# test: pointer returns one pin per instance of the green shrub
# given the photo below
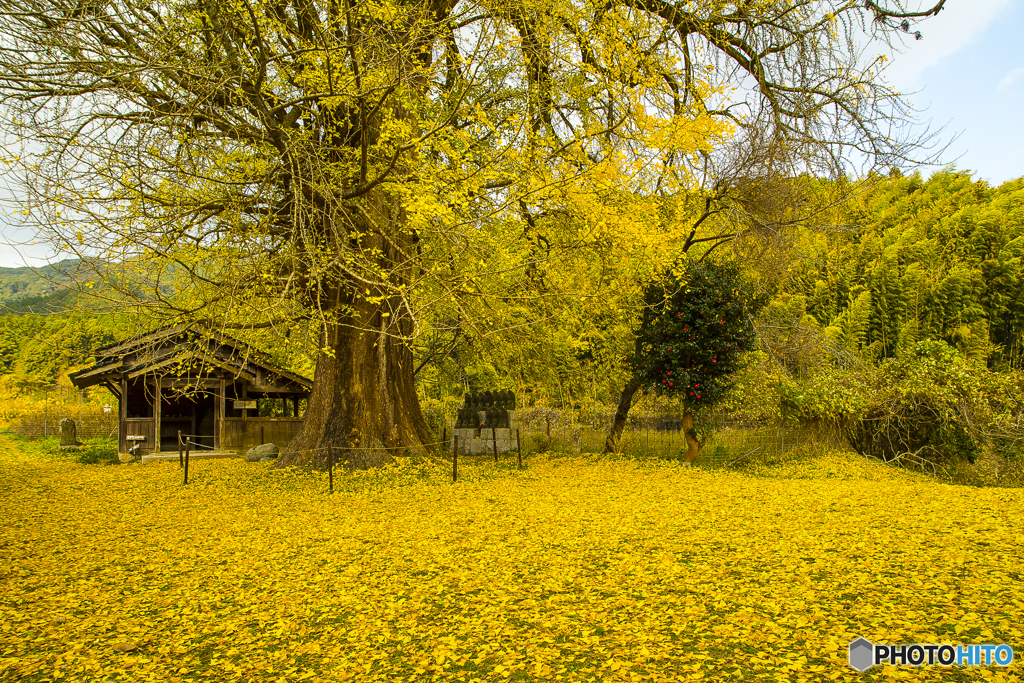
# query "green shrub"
(928, 406)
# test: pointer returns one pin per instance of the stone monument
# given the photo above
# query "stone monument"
(486, 420)
(69, 435)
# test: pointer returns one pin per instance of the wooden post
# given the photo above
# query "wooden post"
(494, 442)
(262, 439)
(122, 415)
(330, 466)
(455, 459)
(444, 438)
(519, 447)
(181, 458)
(188, 447)
(157, 414)
(218, 442)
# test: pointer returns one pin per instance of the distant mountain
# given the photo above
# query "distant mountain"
(50, 288)
(20, 283)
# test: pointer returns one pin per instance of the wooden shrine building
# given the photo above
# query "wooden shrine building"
(220, 392)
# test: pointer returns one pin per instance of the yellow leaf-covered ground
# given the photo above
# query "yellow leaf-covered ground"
(572, 569)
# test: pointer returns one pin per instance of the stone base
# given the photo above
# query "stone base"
(477, 441)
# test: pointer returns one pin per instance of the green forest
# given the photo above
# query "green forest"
(898, 322)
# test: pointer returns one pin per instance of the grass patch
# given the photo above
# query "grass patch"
(92, 451)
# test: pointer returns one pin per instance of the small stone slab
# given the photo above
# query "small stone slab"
(68, 435)
(257, 453)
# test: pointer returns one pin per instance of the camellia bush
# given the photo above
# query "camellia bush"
(697, 325)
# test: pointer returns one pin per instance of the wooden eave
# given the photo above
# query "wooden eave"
(150, 353)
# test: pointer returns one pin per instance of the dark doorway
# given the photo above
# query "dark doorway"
(206, 420)
(195, 416)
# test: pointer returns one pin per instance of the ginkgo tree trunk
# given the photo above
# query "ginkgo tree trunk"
(350, 167)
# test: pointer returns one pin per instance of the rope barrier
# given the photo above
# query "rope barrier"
(186, 443)
(197, 444)
(190, 437)
(388, 448)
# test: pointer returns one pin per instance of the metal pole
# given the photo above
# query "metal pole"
(455, 459)
(181, 458)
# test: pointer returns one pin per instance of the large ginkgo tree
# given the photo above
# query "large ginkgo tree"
(365, 167)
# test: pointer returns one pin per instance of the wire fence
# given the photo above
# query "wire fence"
(91, 423)
(652, 431)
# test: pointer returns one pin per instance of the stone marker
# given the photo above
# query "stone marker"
(486, 419)
(68, 435)
(257, 453)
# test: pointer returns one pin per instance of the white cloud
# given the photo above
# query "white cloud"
(1010, 78)
(954, 28)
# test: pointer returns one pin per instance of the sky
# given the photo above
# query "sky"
(965, 76)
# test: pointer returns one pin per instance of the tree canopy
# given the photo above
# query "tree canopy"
(359, 166)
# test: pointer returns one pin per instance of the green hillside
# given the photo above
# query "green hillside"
(18, 285)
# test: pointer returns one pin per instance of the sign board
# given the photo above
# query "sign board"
(135, 438)
(241, 405)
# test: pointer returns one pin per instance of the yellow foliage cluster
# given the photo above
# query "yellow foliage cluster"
(572, 569)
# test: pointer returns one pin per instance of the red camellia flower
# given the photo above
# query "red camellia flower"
(696, 386)
(698, 395)
(691, 393)
(686, 329)
(670, 383)
(669, 372)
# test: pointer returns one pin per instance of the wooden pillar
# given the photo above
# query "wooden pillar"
(157, 409)
(219, 436)
(122, 411)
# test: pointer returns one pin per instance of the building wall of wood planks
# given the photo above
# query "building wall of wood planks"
(144, 427)
(240, 435)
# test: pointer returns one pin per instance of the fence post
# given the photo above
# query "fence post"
(519, 448)
(181, 458)
(494, 441)
(330, 465)
(455, 459)
(188, 447)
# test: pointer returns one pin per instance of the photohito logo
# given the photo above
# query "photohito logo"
(864, 654)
